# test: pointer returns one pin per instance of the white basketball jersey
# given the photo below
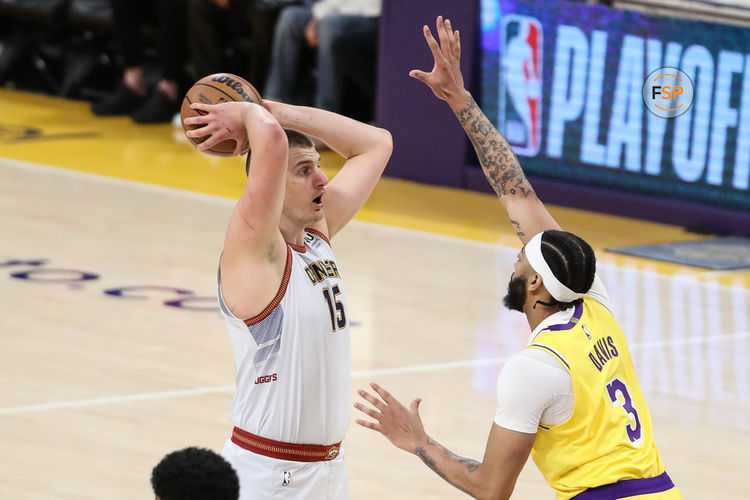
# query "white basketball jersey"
(294, 359)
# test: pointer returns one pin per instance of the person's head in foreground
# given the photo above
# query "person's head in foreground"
(194, 474)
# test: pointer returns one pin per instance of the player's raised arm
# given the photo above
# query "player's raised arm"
(366, 149)
(500, 165)
(255, 221)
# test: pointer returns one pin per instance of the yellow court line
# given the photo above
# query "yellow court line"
(63, 133)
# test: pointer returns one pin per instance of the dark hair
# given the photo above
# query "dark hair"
(295, 139)
(195, 474)
(570, 259)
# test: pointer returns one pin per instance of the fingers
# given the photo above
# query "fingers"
(202, 120)
(211, 141)
(198, 132)
(452, 38)
(368, 411)
(368, 424)
(454, 41)
(202, 106)
(383, 393)
(419, 75)
(457, 46)
(443, 37)
(449, 35)
(415, 405)
(197, 120)
(371, 399)
(434, 47)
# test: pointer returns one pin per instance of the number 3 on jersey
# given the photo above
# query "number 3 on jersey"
(338, 318)
(615, 387)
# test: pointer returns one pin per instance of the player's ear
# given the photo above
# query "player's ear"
(534, 283)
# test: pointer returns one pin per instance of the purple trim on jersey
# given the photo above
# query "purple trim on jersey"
(543, 427)
(553, 352)
(627, 488)
(573, 321)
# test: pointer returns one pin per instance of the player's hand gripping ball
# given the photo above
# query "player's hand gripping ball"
(215, 89)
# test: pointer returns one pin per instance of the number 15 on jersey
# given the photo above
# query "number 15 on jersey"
(335, 307)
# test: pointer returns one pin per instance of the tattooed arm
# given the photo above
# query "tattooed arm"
(500, 165)
(503, 171)
(498, 160)
(493, 478)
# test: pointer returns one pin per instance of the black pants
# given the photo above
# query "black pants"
(355, 58)
(237, 39)
(168, 17)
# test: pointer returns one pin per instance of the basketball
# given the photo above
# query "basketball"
(215, 89)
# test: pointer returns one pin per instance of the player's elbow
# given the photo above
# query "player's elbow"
(382, 148)
(494, 490)
(269, 137)
(489, 495)
(385, 139)
(271, 130)
(376, 140)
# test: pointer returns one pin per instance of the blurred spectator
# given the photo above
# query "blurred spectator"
(355, 59)
(132, 96)
(194, 474)
(301, 28)
(218, 36)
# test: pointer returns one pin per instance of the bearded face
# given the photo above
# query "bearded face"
(516, 296)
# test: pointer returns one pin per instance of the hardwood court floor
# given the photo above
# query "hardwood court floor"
(103, 373)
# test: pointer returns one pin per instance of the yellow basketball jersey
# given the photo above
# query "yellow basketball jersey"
(608, 437)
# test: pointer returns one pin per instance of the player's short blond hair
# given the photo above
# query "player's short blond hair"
(295, 140)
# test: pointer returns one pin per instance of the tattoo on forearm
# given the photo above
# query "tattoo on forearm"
(429, 462)
(498, 161)
(471, 465)
(517, 225)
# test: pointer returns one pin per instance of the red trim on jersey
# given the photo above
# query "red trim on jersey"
(318, 234)
(279, 295)
(284, 451)
(298, 248)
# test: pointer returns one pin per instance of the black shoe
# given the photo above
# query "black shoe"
(122, 102)
(157, 109)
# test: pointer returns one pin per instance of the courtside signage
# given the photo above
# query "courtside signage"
(614, 98)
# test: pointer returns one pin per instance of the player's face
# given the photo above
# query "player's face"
(516, 296)
(305, 186)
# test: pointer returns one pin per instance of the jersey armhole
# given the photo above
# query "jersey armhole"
(274, 302)
(279, 294)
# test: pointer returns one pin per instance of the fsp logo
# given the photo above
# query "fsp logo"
(668, 92)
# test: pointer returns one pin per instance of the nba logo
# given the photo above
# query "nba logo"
(520, 113)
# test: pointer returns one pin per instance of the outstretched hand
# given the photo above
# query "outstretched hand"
(219, 122)
(445, 80)
(403, 427)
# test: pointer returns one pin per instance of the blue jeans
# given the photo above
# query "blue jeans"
(289, 46)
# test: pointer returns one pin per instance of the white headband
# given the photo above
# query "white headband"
(559, 292)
